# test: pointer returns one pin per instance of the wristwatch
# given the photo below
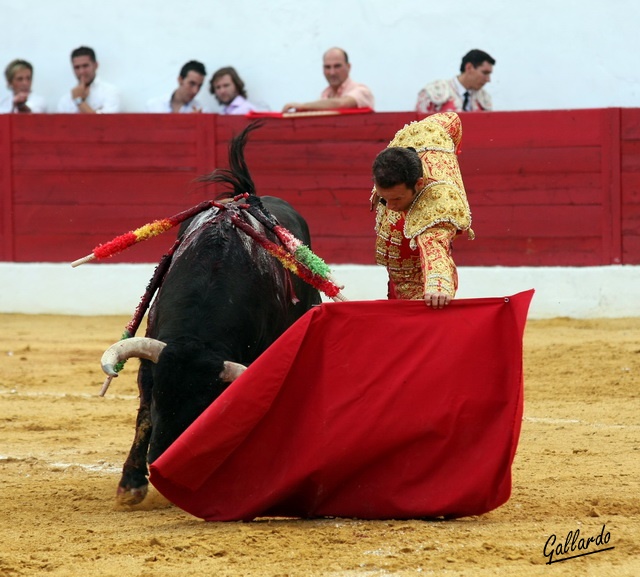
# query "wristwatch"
(79, 100)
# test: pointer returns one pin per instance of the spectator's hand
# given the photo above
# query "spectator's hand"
(195, 110)
(437, 300)
(80, 91)
(292, 107)
(20, 99)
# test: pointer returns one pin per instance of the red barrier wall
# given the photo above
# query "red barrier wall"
(545, 187)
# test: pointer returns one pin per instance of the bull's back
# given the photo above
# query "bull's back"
(224, 289)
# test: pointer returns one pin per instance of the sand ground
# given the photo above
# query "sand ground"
(62, 447)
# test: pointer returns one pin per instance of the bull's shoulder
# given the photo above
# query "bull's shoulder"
(288, 217)
(275, 203)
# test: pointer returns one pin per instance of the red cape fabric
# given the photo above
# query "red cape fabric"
(377, 409)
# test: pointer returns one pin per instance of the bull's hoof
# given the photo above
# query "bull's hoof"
(131, 495)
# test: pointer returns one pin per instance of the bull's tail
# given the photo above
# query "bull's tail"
(238, 175)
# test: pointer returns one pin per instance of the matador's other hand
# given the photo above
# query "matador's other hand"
(437, 300)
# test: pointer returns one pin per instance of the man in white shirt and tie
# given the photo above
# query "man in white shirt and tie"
(461, 93)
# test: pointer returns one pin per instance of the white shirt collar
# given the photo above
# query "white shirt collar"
(460, 88)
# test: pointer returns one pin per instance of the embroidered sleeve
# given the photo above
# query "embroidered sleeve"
(424, 104)
(433, 96)
(440, 274)
(484, 100)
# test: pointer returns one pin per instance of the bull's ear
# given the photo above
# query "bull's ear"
(231, 371)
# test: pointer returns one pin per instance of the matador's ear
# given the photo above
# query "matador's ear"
(374, 199)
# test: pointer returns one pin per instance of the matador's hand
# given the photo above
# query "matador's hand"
(437, 300)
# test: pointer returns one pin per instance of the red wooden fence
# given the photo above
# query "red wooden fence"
(545, 187)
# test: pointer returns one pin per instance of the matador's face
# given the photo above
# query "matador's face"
(400, 197)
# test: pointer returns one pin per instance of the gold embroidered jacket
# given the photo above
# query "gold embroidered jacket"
(416, 246)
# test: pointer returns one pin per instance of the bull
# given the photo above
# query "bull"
(222, 302)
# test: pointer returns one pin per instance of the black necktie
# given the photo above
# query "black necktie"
(465, 104)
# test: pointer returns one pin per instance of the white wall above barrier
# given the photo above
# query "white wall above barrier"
(107, 289)
(551, 54)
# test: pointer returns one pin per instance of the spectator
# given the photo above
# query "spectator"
(421, 206)
(19, 75)
(183, 99)
(342, 91)
(228, 88)
(464, 92)
(91, 95)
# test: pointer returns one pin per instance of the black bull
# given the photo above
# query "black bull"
(224, 299)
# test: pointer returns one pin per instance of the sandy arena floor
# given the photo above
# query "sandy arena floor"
(577, 469)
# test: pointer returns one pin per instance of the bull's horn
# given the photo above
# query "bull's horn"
(231, 371)
(140, 347)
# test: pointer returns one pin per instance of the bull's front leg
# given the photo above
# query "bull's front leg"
(133, 485)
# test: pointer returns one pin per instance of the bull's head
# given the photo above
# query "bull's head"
(188, 379)
(150, 349)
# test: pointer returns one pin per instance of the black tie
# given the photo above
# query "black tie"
(465, 104)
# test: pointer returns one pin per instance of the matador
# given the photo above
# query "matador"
(421, 206)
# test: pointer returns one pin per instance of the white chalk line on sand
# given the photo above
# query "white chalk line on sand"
(18, 393)
(550, 421)
(542, 420)
(107, 468)
(61, 466)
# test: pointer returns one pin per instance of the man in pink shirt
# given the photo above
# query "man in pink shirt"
(342, 91)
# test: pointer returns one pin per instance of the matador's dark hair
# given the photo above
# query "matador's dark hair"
(395, 166)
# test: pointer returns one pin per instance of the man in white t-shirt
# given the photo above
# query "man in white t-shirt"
(20, 99)
(91, 95)
(183, 99)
